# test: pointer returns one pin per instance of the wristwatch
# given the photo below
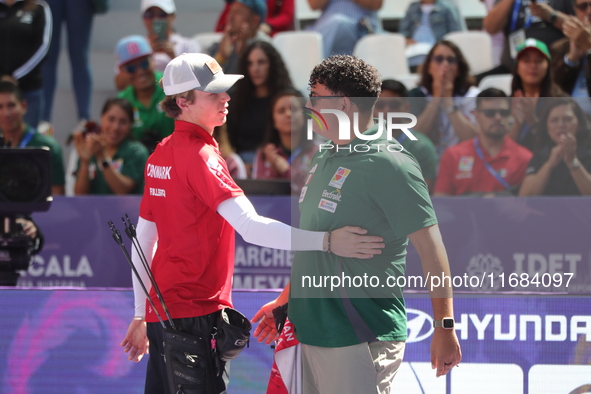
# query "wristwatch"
(106, 163)
(575, 164)
(553, 17)
(447, 322)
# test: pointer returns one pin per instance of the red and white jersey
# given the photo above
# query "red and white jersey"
(186, 179)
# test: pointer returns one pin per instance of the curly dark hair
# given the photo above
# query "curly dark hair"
(277, 80)
(463, 80)
(348, 76)
(543, 139)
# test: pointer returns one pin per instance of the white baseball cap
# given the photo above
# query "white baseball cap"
(196, 71)
(165, 5)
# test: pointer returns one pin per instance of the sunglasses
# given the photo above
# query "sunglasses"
(132, 68)
(451, 60)
(315, 100)
(152, 14)
(583, 6)
(491, 113)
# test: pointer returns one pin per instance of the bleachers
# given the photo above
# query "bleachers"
(197, 16)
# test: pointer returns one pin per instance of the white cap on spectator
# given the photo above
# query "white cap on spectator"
(196, 71)
(165, 5)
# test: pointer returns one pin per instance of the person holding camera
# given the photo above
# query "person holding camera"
(190, 210)
(158, 17)
(18, 134)
(110, 161)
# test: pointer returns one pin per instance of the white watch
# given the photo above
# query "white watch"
(575, 164)
(447, 322)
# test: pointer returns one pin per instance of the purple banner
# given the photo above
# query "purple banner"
(67, 341)
(501, 244)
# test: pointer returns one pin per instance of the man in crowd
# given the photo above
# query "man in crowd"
(353, 338)
(134, 59)
(491, 162)
(242, 28)
(17, 134)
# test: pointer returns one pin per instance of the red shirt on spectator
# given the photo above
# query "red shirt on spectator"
(462, 171)
(181, 195)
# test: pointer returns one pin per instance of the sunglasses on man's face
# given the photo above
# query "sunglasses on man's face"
(152, 14)
(451, 60)
(583, 6)
(491, 113)
(132, 68)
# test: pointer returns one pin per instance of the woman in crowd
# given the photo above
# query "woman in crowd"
(285, 152)
(110, 161)
(532, 78)
(25, 34)
(265, 74)
(562, 159)
(444, 115)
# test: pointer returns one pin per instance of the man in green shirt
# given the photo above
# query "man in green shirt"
(134, 57)
(17, 134)
(348, 313)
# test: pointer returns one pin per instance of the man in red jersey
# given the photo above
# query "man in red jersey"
(191, 207)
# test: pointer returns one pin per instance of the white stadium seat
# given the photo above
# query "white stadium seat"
(385, 52)
(476, 47)
(500, 81)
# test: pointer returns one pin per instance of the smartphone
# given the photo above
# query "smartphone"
(160, 28)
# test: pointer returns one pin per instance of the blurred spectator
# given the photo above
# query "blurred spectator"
(78, 16)
(25, 34)
(343, 22)
(445, 115)
(265, 75)
(498, 39)
(285, 152)
(159, 17)
(521, 19)
(18, 134)
(490, 163)
(393, 99)
(236, 166)
(426, 22)
(570, 57)
(150, 123)
(532, 78)
(280, 17)
(562, 158)
(110, 161)
(241, 30)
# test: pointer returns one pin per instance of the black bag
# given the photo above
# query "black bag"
(232, 334)
(189, 363)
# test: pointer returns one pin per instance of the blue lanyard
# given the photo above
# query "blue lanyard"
(515, 15)
(26, 139)
(488, 166)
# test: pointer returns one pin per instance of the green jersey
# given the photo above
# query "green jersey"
(376, 186)
(129, 160)
(151, 118)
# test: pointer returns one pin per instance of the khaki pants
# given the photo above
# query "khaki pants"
(366, 368)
